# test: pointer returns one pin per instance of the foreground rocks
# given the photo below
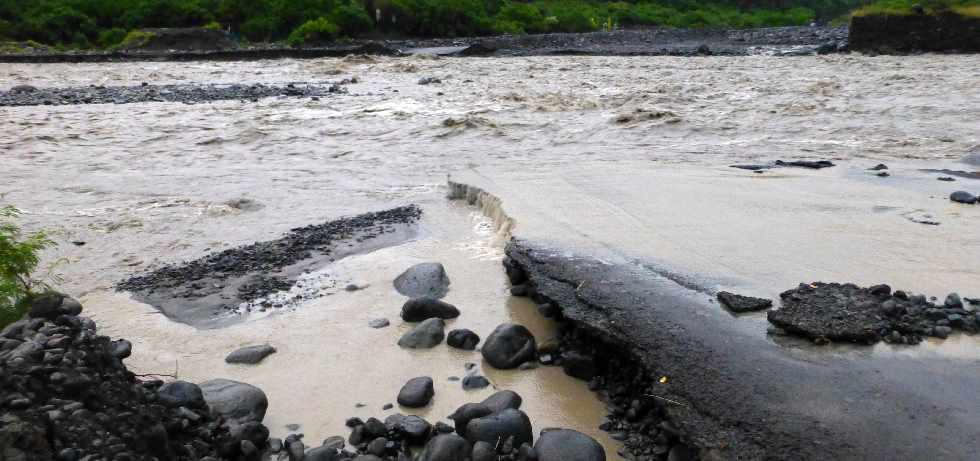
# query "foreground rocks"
(846, 312)
(66, 395)
(495, 432)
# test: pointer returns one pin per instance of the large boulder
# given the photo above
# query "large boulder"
(250, 354)
(446, 447)
(236, 402)
(483, 451)
(412, 428)
(427, 334)
(468, 412)
(499, 426)
(423, 280)
(419, 309)
(416, 393)
(509, 346)
(503, 400)
(181, 394)
(568, 445)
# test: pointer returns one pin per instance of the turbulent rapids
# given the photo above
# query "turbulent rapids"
(591, 218)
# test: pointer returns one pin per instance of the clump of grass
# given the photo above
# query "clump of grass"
(136, 39)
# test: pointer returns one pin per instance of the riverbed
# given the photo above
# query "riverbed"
(625, 159)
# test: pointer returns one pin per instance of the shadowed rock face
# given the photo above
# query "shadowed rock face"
(916, 32)
(738, 394)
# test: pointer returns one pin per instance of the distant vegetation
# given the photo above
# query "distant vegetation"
(106, 23)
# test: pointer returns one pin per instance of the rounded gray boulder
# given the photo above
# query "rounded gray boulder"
(503, 400)
(468, 412)
(427, 334)
(181, 394)
(446, 447)
(423, 280)
(463, 339)
(236, 402)
(568, 445)
(499, 426)
(419, 309)
(509, 346)
(416, 393)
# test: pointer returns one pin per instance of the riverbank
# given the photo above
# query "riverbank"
(653, 41)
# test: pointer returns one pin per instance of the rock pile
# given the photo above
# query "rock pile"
(66, 395)
(493, 430)
(846, 312)
(184, 93)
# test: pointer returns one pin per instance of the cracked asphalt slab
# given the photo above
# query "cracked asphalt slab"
(746, 397)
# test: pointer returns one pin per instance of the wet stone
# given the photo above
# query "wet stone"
(427, 334)
(416, 393)
(378, 323)
(463, 339)
(425, 280)
(963, 197)
(250, 354)
(738, 303)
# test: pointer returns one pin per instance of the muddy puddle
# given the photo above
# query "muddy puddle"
(328, 360)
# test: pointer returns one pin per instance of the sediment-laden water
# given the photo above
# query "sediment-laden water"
(623, 158)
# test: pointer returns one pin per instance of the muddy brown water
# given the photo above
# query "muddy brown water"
(625, 158)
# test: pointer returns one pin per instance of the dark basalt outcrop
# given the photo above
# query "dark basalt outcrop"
(211, 291)
(941, 31)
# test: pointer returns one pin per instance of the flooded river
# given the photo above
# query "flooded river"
(623, 158)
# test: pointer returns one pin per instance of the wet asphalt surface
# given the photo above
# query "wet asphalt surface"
(739, 395)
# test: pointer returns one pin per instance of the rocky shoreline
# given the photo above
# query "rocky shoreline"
(27, 95)
(648, 41)
(225, 287)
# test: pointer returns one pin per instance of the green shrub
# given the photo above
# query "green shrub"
(352, 19)
(18, 260)
(259, 29)
(522, 17)
(314, 31)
